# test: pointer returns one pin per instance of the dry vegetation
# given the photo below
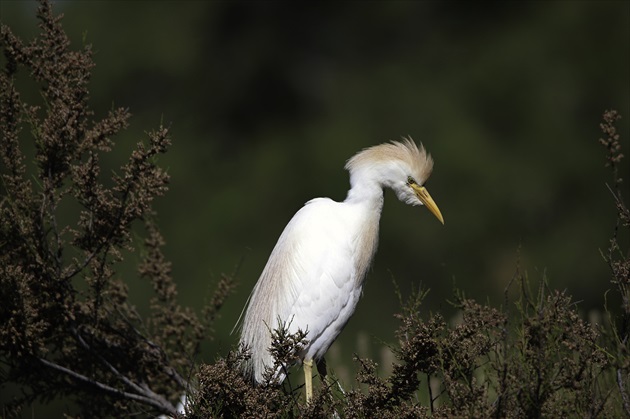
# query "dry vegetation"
(69, 331)
(67, 327)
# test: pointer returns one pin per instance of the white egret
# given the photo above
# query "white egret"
(315, 273)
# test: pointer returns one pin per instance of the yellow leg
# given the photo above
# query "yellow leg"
(308, 379)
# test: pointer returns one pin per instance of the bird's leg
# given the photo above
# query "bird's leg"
(321, 368)
(323, 373)
(308, 379)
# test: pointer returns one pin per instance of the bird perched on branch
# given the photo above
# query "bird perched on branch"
(314, 276)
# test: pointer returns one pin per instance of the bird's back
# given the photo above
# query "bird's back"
(312, 280)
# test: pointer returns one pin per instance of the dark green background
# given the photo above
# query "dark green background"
(268, 100)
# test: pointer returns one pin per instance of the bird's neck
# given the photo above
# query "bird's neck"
(368, 194)
(366, 201)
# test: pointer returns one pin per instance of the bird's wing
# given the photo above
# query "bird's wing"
(307, 281)
(318, 274)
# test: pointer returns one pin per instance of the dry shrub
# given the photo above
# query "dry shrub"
(68, 329)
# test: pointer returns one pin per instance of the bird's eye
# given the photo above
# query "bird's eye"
(411, 181)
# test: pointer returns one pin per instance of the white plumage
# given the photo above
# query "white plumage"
(314, 276)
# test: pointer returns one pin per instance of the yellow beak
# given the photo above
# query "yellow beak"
(423, 195)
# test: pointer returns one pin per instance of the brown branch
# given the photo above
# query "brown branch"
(139, 388)
(431, 398)
(102, 245)
(622, 391)
(170, 371)
(152, 399)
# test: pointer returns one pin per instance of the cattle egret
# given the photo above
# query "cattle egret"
(315, 273)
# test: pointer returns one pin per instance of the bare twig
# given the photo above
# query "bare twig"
(622, 391)
(153, 400)
(431, 399)
(170, 371)
(79, 268)
(143, 389)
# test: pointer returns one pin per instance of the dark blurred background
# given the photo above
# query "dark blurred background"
(267, 100)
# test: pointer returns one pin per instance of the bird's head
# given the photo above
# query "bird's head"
(401, 166)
